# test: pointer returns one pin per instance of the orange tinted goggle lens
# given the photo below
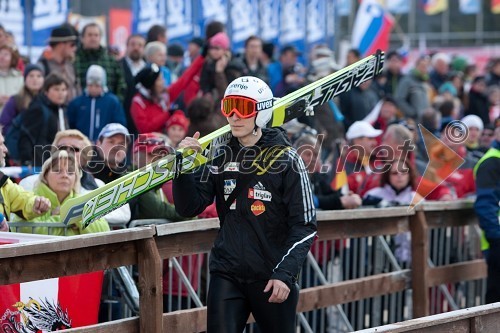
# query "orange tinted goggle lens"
(244, 107)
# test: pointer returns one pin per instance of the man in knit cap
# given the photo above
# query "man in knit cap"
(59, 59)
(96, 107)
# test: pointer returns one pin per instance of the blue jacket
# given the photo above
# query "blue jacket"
(487, 172)
(89, 115)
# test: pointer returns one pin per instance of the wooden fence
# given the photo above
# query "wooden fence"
(148, 246)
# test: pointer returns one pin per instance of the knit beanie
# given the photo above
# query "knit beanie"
(221, 40)
(32, 67)
(97, 75)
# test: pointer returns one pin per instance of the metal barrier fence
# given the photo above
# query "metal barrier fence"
(356, 276)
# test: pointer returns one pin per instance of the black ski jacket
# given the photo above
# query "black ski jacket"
(268, 231)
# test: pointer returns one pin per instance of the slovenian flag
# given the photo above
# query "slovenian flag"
(433, 7)
(372, 28)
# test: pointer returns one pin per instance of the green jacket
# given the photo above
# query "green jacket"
(99, 225)
(152, 205)
(115, 77)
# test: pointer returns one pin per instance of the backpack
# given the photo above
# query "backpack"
(17, 129)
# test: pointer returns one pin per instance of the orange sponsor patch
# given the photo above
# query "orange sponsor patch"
(258, 208)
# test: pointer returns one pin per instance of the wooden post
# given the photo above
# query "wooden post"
(150, 286)
(420, 255)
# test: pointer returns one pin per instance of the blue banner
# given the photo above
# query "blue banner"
(147, 13)
(47, 14)
(316, 22)
(211, 10)
(179, 21)
(293, 24)
(270, 20)
(12, 14)
(242, 17)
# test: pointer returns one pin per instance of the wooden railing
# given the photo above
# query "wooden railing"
(148, 246)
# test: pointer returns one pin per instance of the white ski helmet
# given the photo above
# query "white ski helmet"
(257, 90)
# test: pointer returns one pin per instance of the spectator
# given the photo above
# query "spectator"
(353, 55)
(157, 33)
(203, 118)
(5, 37)
(109, 158)
(156, 53)
(397, 188)
(267, 55)
(324, 197)
(487, 173)
(393, 73)
(11, 80)
(175, 60)
(388, 112)
(487, 138)
(92, 53)
(250, 59)
(440, 70)
(478, 100)
(357, 103)
(16, 200)
(44, 118)
(33, 83)
(132, 63)
(193, 50)
(59, 181)
(214, 78)
(60, 59)
(359, 160)
(74, 142)
(411, 94)
(287, 74)
(149, 108)
(97, 107)
(177, 127)
(493, 93)
(493, 75)
(475, 127)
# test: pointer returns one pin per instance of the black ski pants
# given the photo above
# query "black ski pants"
(230, 303)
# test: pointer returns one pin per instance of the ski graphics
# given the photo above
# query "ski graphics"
(103, 200)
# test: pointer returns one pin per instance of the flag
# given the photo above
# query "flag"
(51, 304)
(179, 21)
(469, 6)
(120, 28)
(242, 15)
(495, 6)
(269, 22)
(433, 7)
(146, 13)
(372, 28)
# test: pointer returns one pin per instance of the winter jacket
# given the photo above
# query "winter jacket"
(356, 104)
(99, 225)
(42, 120)
(10, 111)
(14, 199)
(389, 194)
(90, 114)
(479, 106)
(260, 71)
(487, 206)
(324, 197)
(148, 115)
(153, 205)
(66, 70)
(411, 95)
(115, 78)
(268, 230)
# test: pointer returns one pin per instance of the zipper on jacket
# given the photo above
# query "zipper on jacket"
(92, 119)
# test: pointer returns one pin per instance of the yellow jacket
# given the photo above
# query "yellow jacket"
(15, 199)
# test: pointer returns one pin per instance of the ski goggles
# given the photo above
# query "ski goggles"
(242, 106)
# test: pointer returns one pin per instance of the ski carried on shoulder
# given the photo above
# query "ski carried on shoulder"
(99, 202)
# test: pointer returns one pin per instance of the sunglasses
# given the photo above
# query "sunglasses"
(69, 148)
(242, 106)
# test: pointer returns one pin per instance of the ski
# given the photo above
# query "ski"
(101, 201)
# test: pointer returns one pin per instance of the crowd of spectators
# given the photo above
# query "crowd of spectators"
(97, 116)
